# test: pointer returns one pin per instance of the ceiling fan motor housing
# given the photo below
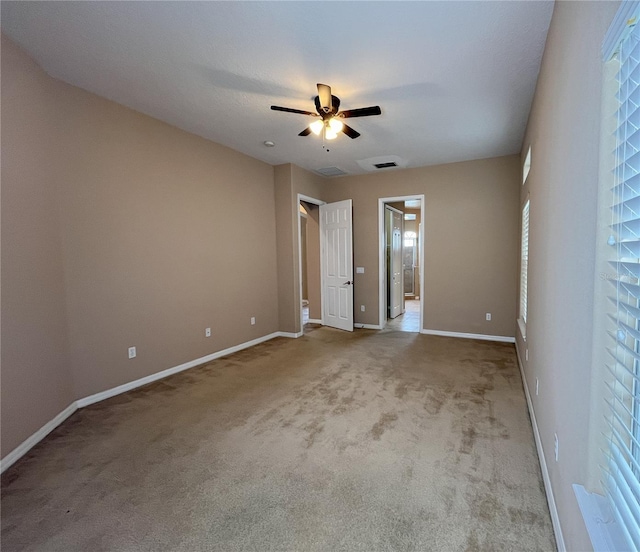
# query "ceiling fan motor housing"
(326, 112)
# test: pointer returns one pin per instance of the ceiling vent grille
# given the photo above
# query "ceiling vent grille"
(382, 163)
(331, 171)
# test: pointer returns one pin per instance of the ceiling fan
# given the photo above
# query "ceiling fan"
(330, 121)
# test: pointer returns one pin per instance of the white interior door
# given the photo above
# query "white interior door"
(396, 284)
(336, 231)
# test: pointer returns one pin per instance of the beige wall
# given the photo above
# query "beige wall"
(135, 223)
(285, 227)
(291, 180)
(471, 241)
(563, 132)
(36, 376)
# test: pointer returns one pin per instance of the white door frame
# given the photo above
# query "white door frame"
(382, 257)
(313, 201)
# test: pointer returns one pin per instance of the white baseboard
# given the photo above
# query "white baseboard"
(502, 338)
(314, 321)
(32, 441)
(170, 371)
(29, 443)
(367, 326)
(292, 335)
(555, 518)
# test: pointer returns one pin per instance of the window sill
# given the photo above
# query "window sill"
(604, 531)
(523, 328)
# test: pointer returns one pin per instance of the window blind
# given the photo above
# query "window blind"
(524, 262)
(622, 467)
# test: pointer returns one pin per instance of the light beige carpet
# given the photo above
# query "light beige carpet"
(371, 441)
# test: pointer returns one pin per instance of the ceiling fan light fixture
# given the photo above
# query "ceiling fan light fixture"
(316, 127)
(329, 133)
(335, 125)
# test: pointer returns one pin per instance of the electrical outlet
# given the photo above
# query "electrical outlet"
(555, 445)
(207, 332)
(253, 320)
(537, 386)
(361, 308)
(132, 352)
(488, 316)
(360, 270)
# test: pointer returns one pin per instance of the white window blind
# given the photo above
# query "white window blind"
(622, 469)
(524, 262)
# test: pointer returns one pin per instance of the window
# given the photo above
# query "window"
(410, 239)
(524, 268)
(622, 464)
(527, 166)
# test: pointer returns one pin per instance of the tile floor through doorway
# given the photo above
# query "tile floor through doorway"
(409, 321)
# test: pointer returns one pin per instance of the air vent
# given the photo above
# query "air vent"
(331, 171)
(382, 162)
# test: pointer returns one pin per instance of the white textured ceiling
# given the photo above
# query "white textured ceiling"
(454, 80)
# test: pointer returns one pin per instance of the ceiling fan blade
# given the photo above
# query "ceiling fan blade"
(353, 134)
(361, 112)
(305, 132)
(291, 110)
(324, 94)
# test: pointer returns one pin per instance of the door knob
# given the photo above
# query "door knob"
(347, 283)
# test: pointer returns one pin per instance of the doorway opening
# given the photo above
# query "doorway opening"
(309, 245)
(401, 261)
(325, 263)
